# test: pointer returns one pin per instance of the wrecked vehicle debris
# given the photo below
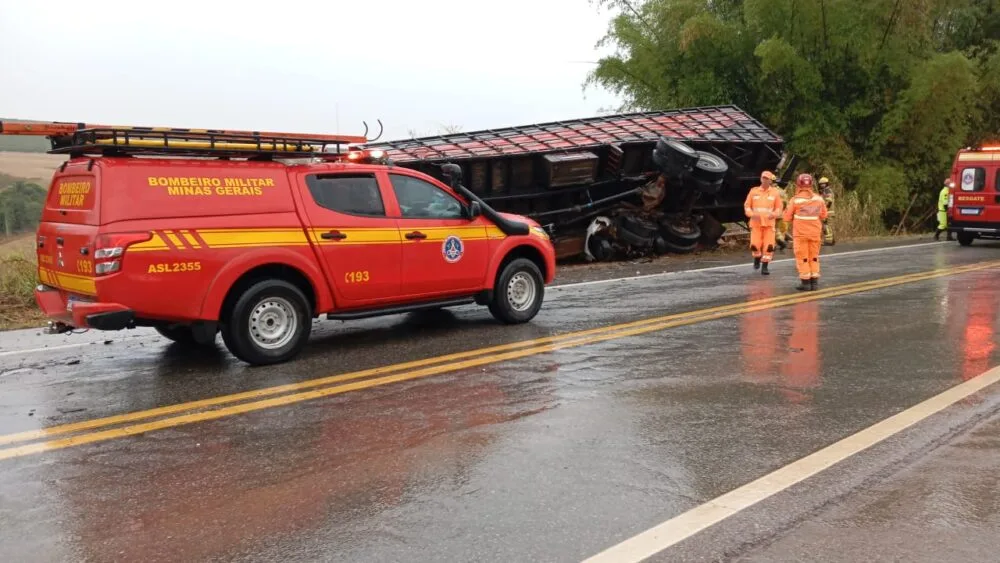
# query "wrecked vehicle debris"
(616, 185)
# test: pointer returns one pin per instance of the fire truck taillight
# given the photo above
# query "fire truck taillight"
(111, 248)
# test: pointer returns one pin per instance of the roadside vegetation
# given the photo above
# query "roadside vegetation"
(877, 95)
(18, 277)
(21, 205)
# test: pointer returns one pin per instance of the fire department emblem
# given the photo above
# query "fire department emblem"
(452, 249)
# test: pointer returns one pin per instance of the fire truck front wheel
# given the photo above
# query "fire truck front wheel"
(268, 324)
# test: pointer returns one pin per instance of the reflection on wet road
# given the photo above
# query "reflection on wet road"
(625, 404)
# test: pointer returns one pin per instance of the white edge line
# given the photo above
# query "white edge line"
(582, 284)
(60, 347)
(732, 266)
(687, 524)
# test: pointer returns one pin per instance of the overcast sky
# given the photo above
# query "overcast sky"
(301, 65)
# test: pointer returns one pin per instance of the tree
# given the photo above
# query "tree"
(878, 94)
(21, 207)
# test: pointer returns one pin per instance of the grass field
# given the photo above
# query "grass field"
(18, 277)
(34, 167)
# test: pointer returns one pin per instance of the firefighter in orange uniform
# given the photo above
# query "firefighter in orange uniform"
(806, 211)
(763, 207)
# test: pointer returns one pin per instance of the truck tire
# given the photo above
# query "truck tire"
(638, 226)
(679, 231)
(601, 249)
(518, 293)
(632, 239)
(269, 324)
(965, 239)
(183, 335)
(676, 248)
(673, 158)
(709, 169)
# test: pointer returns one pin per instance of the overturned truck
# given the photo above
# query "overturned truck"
(635, 183)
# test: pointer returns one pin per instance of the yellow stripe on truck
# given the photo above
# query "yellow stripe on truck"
(232, 238)
(187, 239)
(357, 235)
(68, 282)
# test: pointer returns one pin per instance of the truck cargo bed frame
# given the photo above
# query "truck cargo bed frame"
(513, 168)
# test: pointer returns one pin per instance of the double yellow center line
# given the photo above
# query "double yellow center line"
(120, 426)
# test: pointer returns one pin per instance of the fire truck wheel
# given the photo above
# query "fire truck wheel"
(518, 293)
(269, 324)
(965, 239)
(184, 335)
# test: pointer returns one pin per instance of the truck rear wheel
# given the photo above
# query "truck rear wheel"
(184, 335)
(709, 168)
(269, 323)
(965, 239)
(674, 158)
(518, 293)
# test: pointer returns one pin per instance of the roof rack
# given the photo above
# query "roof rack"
(714, 124)
(78, 139)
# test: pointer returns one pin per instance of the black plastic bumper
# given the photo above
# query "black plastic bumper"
(114, 320)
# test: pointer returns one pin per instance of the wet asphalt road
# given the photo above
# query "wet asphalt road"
(549, 457)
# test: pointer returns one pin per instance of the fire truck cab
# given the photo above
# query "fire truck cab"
(253, 235)
(974, 202)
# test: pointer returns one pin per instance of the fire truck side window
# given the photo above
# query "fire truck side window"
(973, 179)
(421, 200)
(353, 194)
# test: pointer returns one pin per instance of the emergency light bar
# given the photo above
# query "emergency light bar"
(81, 138)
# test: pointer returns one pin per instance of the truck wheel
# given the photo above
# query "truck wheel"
(601, 248)
(673, 157)
(965, 239)
(182, 334)
(269, 324)
(676, 248)
(628, 237)
(518, 294)
(639, 226)
(709, 169)
(681, 231)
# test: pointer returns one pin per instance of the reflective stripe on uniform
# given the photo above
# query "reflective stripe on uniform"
(806, 218)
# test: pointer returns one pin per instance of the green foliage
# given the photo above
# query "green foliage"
(878, 94)
(21, 207)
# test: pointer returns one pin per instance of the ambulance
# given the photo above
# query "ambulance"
(974, 202)
(252, 235)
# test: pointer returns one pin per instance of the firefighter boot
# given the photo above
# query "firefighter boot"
(763, 270)
(813, 284)
(937, 234)
(756, 263)
(804, 285)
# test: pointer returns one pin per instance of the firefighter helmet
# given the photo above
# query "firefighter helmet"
(804, 181)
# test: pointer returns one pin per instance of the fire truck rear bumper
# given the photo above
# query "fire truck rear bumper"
(980, 229)
(69, 312)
